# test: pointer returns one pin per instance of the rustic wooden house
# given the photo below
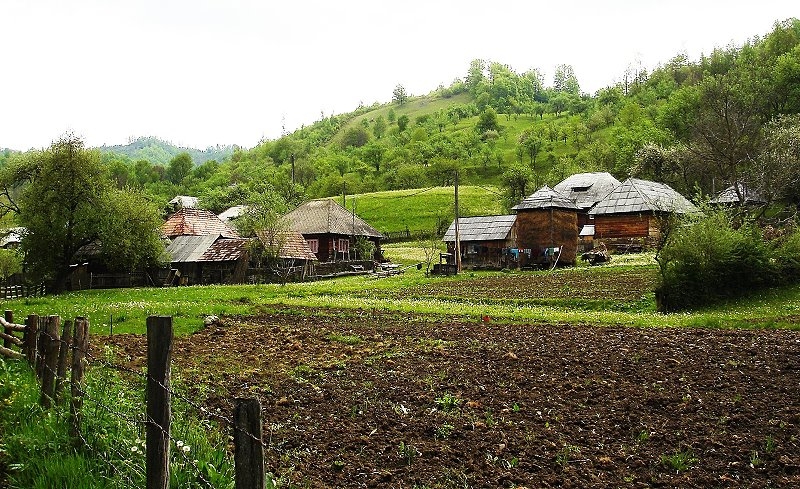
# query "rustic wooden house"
(547, 227)
(630, 217)
(203, 249)
(207, 259)
(486, 241)
(586, 190)
(331, 230)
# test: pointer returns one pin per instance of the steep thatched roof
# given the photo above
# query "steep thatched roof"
(635, 195)
(545, 198)
(325, 216)
(587, 189)
(484, 228)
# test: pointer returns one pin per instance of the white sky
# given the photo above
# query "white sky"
(205, 72)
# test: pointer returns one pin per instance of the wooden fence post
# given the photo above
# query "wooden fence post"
(80, 345)
(66, 336)
(50, 363)
(40, 346)
(31, 339)
(249, 449)
(159, 356)
(9, 317)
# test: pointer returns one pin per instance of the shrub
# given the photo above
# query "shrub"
(705, 259)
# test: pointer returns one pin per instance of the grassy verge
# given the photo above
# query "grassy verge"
(129, 308)
(37, 451)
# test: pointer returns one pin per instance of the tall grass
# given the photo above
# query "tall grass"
(38, 451)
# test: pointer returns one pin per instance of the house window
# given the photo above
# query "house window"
(344, 246)
(314, 245)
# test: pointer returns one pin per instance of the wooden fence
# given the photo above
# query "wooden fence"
(18, 291)
(46, 344)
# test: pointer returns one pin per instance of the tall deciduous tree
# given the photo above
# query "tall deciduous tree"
(399, 95)
(179, 167)
(66, 201)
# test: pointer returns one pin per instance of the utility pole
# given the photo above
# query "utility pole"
(292, 159)
(458, 235)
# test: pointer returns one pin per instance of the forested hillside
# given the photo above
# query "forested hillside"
(698, 125)
(160, 152)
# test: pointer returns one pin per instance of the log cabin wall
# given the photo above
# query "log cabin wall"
(536, 227)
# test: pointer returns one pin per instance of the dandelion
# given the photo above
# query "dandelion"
(186, 449)
(135, 449)
(179, 443)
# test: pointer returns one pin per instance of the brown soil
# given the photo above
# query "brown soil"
(369, 399)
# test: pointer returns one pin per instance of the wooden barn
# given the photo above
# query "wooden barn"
(736, 194)
(297, 258)
(486, 241)
(207, 259)
(629, 218)
(586, 190)
(331, 230)
(547, 225)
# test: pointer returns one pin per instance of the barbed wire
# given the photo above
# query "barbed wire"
(85, 393)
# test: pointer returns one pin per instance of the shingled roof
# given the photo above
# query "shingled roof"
(545, 198)
(293, 245)
(635, 195)
(730, 196)
(196, 222)
(587, 189)
(205, 248)
(483, 228)
(324, 216)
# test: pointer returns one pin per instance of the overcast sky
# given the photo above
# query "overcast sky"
(205, 72)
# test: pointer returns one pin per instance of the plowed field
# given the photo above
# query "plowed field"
(371, 399)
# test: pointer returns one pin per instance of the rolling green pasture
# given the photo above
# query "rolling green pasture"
(409, 294)
(419, 209)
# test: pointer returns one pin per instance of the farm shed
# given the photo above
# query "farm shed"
(730, 196)
(206, 259)
(331, 230)
(196, 222)
(296, 258)
(586, 190)
(629, 218)
(547, 225)
(486, 241)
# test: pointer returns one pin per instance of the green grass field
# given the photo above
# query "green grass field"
(127, 309)
(421, 209)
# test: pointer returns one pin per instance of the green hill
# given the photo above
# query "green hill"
(159, 152)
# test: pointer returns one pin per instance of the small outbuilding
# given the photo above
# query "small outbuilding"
(730, 196)
(486, 241)
(547, 225)
(206, 259)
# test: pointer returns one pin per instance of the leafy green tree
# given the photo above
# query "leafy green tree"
(487, 121)
(179, 168)
(402, 122)
(399, 95)
(515, 182)
(373, 153)
(379, 128)
(66, 200)
(565, 80)
(10, 263)
(355, 137)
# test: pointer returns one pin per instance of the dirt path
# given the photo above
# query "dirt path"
(374, 400)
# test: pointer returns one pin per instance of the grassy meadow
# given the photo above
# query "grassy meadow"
(127, 309)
